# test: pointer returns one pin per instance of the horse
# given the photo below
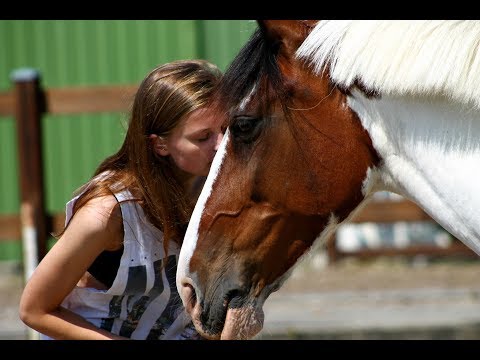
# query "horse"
(322, 115)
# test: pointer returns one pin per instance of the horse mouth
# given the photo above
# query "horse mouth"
(242, 323)
(238, 320)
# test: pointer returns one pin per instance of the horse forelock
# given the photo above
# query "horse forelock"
(401, 57)
(242, 80)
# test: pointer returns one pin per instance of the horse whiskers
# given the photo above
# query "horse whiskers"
(313, 107)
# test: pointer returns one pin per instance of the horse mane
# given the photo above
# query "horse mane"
(401, 57)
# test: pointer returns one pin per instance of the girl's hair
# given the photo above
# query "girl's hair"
(167, 95)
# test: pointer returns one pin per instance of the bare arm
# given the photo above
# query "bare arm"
(94, 228)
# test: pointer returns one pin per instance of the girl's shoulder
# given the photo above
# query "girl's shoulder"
(101, 215)
(106, 204)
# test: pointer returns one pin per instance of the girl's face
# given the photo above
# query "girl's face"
(194, 142)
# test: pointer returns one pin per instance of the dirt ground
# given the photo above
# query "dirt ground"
(384, 273)
(409, 298)
(313, 277)
(11, 286)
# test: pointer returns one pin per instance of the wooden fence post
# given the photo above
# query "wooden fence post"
(29, 106)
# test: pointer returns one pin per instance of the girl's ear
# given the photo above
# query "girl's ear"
(159, 145)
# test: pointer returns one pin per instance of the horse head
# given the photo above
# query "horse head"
(291, 167)
(322, 115)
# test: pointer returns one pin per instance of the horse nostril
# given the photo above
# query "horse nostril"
(235, 298)
(190, 297)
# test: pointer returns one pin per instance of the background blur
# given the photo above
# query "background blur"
(71, 53)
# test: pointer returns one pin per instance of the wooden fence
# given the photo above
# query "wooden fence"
(28, 101)
(389, 212)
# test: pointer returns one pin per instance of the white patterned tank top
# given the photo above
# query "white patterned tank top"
(143, 302)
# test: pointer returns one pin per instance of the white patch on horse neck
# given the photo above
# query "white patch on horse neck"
(430, 154)
(417, 57)
(191, 235)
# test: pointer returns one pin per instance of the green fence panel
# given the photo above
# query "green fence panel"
(87, 53)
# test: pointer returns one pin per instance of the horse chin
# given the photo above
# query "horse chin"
(240, 323)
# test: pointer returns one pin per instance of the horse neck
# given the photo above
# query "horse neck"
(430, 154)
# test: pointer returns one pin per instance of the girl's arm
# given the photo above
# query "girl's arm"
(94, 228)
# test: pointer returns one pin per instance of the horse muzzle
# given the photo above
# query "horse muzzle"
(229, 316)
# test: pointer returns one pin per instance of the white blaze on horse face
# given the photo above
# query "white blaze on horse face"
(191, 235)
(430, 154)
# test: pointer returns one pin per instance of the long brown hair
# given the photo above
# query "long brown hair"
(167, 94)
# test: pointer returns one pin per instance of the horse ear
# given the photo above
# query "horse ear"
(289, 32)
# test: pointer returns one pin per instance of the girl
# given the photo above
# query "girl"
(111, 274)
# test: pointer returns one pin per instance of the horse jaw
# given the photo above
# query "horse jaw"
(246, 322)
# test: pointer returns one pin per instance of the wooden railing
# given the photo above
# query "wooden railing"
(389, 212)
(28, 102)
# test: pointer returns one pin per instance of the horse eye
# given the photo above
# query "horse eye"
(242, 124)
(243, 127)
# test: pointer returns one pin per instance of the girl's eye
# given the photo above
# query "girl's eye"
(205, 138)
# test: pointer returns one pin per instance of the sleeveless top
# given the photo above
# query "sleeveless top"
(143, 302)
